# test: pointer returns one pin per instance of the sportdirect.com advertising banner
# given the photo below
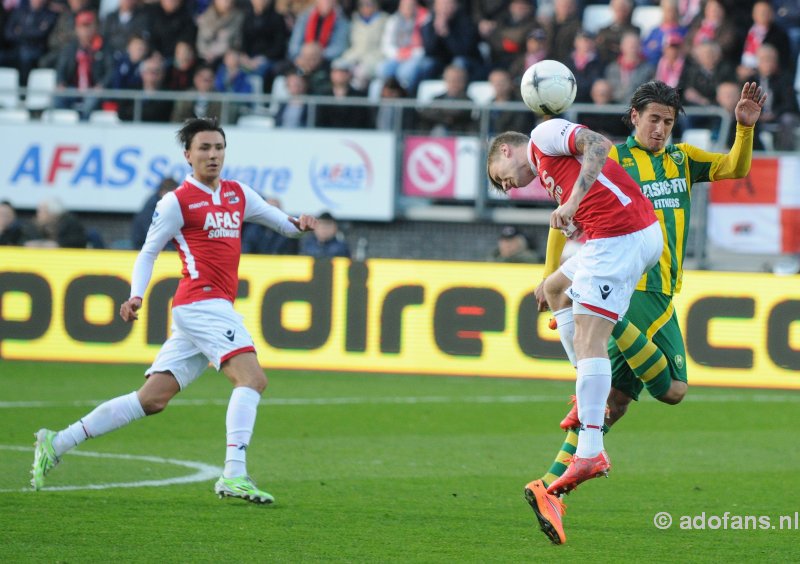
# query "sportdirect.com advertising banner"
(416, 317)
(115, 169)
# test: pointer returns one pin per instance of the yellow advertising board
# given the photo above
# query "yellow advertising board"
(417, 317)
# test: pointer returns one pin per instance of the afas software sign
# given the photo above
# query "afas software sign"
(416, 317)
(115, 169)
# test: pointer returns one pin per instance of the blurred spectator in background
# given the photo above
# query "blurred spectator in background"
(401, 45)
(688, 11)
(506, 37)
(780, 115)
(535, 51)
(665, 34)
(231, 77)
(450, 37)
(728, 95)
(764, 31)
(716, 26)
(386, 115)
(610, 125)
(219, 29)
(11, 232)
(169, 22)
(562, 29)
(311, 64)
(257, 239)
(585, 64)
(630, 69)
(83, 64)
(153, 109)
(609, 38)
(143, 218)
(506, 91)
(265, 38)
(441, 121)
(200, 105)
(787, 15)
(293, 113)
(64, 30)
(53, 226)
(326, 240)
(364, 54)
(513, 246)
(673, 59)
(342, 116)
(26, 31)
(119, 26)
(486, 13)
(181, 67)
(126, 74)
(703, 71)
(324, 23)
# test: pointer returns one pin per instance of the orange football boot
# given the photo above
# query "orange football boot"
(549, 510)
(580, 470)
(571, 420)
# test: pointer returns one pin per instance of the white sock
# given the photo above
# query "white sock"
(592, 388)
(107, 416)
(239, 422)
(566, 331)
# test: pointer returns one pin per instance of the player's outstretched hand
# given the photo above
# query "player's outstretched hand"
(128, 310)
(304, 222)
(748, 109)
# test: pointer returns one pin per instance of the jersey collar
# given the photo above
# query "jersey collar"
(199, 185)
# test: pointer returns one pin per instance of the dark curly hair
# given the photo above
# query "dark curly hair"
(193, 126)
(653, 92)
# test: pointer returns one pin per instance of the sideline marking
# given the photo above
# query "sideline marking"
(204, 472)
(698, 397)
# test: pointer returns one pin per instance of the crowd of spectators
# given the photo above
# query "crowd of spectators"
(338, 47)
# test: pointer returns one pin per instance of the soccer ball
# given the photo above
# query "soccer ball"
(548, 87)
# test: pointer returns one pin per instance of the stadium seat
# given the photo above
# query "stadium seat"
(429, 89)
(256, 121)
(41, 85)
(108, 117)
(596, 17)
(9, 87)
(60, 116)
(280, 93)
(698, 137)
(647, 18)
(14, 115)
(481, 92)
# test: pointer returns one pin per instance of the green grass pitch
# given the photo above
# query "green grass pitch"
(387, 468)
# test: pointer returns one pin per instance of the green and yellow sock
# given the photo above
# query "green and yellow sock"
(560, 463)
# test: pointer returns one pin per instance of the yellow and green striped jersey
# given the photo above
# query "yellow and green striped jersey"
(666, 178)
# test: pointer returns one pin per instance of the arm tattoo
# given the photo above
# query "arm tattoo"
(594, 148)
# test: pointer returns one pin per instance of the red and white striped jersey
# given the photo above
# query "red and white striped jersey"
(206, 227)
(613, 206)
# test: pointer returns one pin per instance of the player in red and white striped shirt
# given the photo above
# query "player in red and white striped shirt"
(597, 197)
(203, 217)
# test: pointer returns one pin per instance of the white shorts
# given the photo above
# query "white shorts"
(604, 272)
(202, 332)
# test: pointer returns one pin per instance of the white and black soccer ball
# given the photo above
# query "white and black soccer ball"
(548, 87)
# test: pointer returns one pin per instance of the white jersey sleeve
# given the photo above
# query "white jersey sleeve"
(259, 211)
(552, 137)
(166, 225)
